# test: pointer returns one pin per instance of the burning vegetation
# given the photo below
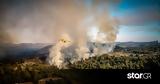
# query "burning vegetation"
(72, 32)
(80, 35)
(36, 70)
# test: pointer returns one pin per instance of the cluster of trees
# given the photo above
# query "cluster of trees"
(21, 72)
(139, 58)
(18, 73)
(120, 62)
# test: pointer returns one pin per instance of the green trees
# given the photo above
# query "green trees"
(119, 62)
(23, 70)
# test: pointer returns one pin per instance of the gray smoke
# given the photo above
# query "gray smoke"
(73, 42)
(79, 29)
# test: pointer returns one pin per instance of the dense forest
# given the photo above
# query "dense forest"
(35, 69)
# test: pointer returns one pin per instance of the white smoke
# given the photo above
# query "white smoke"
(73, 41)
(69, 23)
(56, 57)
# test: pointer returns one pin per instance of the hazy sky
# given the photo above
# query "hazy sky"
(138, 20)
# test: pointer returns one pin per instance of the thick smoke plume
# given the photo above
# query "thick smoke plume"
(78, 29)
(74, 22)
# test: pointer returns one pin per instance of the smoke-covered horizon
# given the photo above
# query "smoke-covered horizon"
(40, 21)
(69, 24)
(28, 21)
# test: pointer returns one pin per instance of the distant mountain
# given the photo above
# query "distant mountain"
(137, 44)
(43, 52)
(29, 50)
(18, 51)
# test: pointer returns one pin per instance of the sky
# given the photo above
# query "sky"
(137, 20)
